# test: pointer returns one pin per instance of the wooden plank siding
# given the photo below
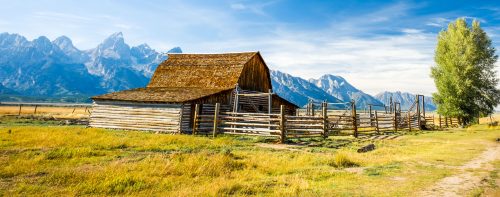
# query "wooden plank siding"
(165, 118)
(255, 75)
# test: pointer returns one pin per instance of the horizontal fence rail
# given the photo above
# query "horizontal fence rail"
(321, 123)
(216, 119)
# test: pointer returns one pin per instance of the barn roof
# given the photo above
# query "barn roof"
(160, 95)
(187, 77)
(201, 70)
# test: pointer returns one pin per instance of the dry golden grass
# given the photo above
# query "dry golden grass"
(73, 160)
(486, 120)
(57, 112)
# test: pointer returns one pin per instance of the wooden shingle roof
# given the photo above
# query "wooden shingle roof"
(160, 95)
(201, 70)
(187, 77)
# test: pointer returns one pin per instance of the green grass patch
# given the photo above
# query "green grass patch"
(50, 160)
(341, 160)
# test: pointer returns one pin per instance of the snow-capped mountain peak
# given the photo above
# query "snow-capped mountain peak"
(113, 47)
(66, 46)
(12, 40)
(175, 50)
(339, 87)
(298, 90)
(48, 68)
(64, 43)
(405, 99)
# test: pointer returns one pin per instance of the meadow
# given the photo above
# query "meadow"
(53, 111)
(43, 158)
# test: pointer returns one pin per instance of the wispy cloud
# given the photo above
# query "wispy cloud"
(62, 16)
(438, 22)
(238, 6)
(124, 26)
(399, 62)
(376, 46)
(255, 7)
(411, 31)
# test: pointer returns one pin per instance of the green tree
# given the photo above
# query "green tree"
(464, 73)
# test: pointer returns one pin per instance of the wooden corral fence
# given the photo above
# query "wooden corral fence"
(321, 122)
(317, 120)
(447, 122)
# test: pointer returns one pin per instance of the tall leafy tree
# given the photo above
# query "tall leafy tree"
(464, 73)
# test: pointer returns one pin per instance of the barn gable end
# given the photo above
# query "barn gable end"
(255, 75)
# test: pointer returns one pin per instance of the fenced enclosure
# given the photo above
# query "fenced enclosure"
(314, 121)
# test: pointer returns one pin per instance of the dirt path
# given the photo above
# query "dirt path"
(281, 146)
(470, 175)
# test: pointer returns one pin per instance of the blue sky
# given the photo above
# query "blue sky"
(376, 45)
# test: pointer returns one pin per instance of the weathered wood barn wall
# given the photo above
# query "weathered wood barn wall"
(167, 103)
(137, 116)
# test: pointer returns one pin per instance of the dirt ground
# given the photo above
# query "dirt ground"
(466, 180)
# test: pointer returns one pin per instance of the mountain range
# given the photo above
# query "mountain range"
(45, 70)
(57, 69)
(339, 87)
(405, 99)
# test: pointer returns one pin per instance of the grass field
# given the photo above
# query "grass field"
(45, 159)
(57, 112)
(494, 117)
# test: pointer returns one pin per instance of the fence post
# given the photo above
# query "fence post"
(395, 120)
(370, 112)
(236, 99)
(282, 124)
(325, 119)
(36, 106)
(216, 119)
(376, 122)
(433, 121)
(440, 126)
(195, 119)
(354, 118)
(312, 109)
(409, 121)
(307, 108)
(418, 113)
(446, 121)
(270, 102)
(19, 113)
(423, 105)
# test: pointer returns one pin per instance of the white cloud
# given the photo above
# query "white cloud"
(399, 62)
(124, 26)
(238, 6)
(253, 7)
(62, 16)
(438, 22)
(356, 47)
(411, 31)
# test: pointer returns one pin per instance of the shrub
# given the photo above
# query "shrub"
(341, 160)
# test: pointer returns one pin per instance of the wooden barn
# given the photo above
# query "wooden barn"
(240, 82)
